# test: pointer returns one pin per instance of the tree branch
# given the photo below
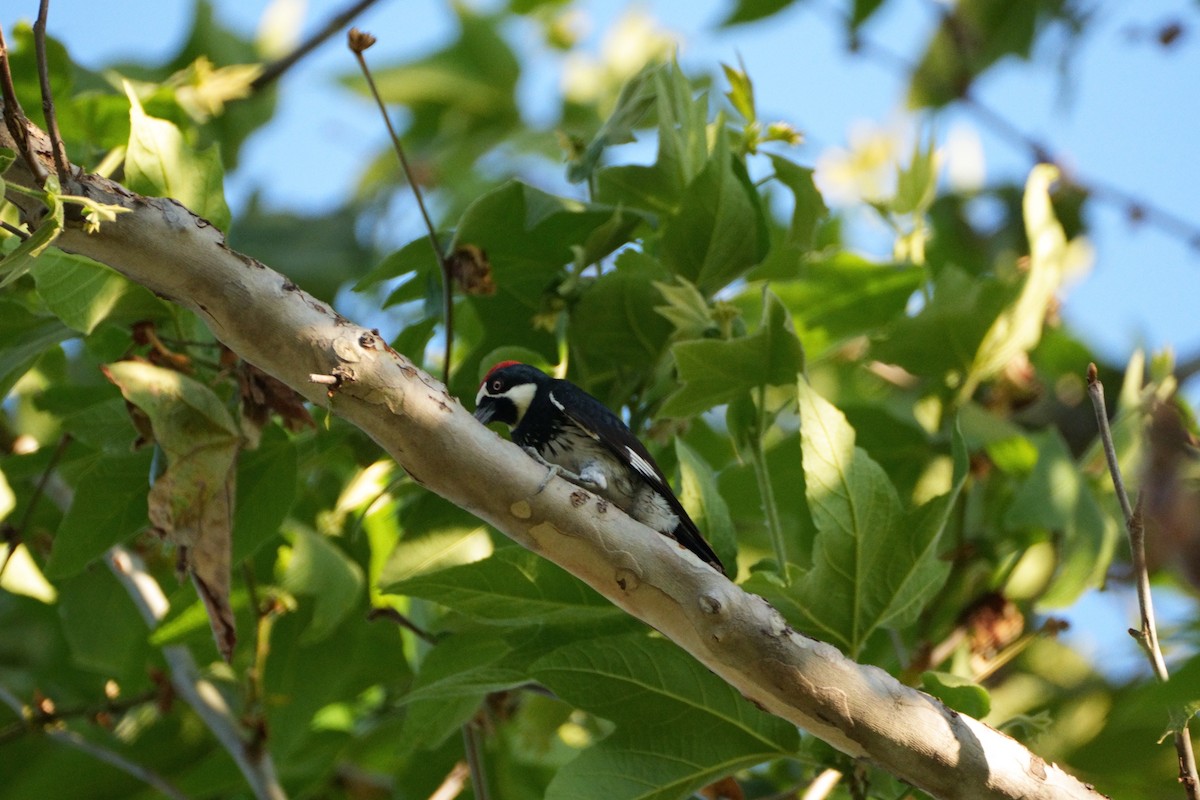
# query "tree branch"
(273, 71)
(265, 318)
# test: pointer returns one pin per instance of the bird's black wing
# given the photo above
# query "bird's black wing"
(598, 422)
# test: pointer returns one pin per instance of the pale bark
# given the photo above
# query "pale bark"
(275, 325)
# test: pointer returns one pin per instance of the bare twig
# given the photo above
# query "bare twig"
(359, 42)
(14, 535)
(275, 69)
(1147, 637)
(196, 691)
(387, 612)
(14, 115)
(474, 750)
(61, 165)
(453, 783)
(14, 230)
(72, 739)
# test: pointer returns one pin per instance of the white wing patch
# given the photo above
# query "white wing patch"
(641, 465)
(563, 409)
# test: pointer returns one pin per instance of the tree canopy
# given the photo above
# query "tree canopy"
(215, 582)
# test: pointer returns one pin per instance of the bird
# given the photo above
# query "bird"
(575, 435)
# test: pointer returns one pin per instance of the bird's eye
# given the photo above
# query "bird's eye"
(497, 385)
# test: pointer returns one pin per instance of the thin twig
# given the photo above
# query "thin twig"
(452, 785)
(14, 535)
(14, 230)
(1147, 637)
(359, 42)
(14, 115)
(275, 69)
(73, 739)
(115, 759)
(61, 165)
(204, 698)
(387, 612)
(474, 750)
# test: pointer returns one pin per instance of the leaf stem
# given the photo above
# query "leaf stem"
(359, 42)
(766, 491)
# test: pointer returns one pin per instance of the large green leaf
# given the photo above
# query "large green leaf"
(528, 236)
(873, 565)
(945, 335)
(452, 682)
(83, 293)
(614, 330)
(106, 509)
(1057, 499)
(23, 337)
(318, 569)
(701, 496)
(1018, 328)
(716, 371)
(513, 587)
(846, 296)
(658, 188)
(719, 232)
(159, 162)
(679, 727)
(809, 207)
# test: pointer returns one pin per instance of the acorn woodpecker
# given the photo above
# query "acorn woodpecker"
(565, 427)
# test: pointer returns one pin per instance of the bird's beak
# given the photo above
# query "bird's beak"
(484, 412)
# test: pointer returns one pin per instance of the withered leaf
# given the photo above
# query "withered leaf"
(192, 501)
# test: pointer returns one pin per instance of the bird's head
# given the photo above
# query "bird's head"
(507, 391)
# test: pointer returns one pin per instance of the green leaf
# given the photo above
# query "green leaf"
(973, 36)
(614, 327)
(106, 509)
(961, 694)
(809, 208)
(741, 92)
(161, 163)
(24, 256)
(319, 570)
(701, 496)
(682, 151)
(679, 727)
(718, 232)
(946, 334)
(916, 184)
(267, 476)
(714, 371)
(873, 565)
(528, 236)
(513, 587)
(1057, 498)
(846, 296)
(751, 10)
(1019, 327)
(686, 309)
(636, 98)
(23, 338)
(102, 626)
(455, 677)
(83, 293)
